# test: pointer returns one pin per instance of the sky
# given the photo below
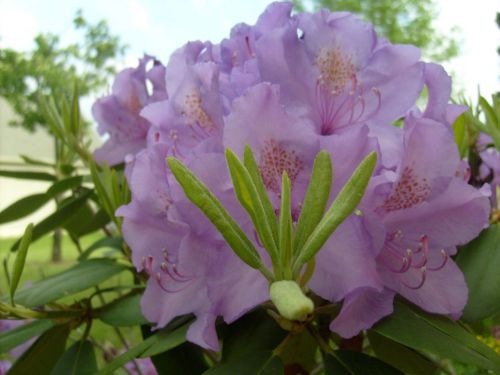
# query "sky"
(158, 27)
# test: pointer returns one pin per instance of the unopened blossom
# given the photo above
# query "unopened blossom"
(118, 115)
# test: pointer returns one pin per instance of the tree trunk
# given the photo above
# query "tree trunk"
(57, 246)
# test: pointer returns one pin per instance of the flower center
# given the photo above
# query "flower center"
(168, 275)
(195, 115)
(409, 191)
(274, 160)
(336, 70)
(401, 259)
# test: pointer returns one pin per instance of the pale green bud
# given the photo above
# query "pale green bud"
(290, 301)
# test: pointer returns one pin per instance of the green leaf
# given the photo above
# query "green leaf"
(57, 219)
(61, 186)
(489, 113)
(124, 312)
(460, 133)
(107, 242)
(343, 205)
(247, 195)
(401, 357)
(20, 260)
(285, 227)
(436, 334)
(480, 262)
(253, 169)
(187, 358)
(76, 279)
(316, 199)
(32, 161)
(257, 363)
(23, 207)
(28, 175)
(346, 362)
(248, 346)
(97, 221)
(79, 359)
(166, 341)
(153, 344)
(15, 337)
(198, 193)
(42, 356)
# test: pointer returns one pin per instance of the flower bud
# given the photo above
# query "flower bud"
(290, 301)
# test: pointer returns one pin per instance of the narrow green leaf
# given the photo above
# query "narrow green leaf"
(42, 356)
(18, 267)
(124, 312)
(479, 260)
(15, 337)
(285, 227)
(247, 194)
(57, 219)
(401, 357)
(62, 186)
(107, 242)
(343, 205)
(198, 193)
(253, 170)
(23, 207)
(346, 362)
(489, 113)
(436, 334)
(79, 359)
(29, 160)
(316, 199)
(73, 280)
(28, 175)
(167, 341)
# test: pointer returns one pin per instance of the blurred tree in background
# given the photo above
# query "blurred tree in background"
(52, 69)
(400, 21)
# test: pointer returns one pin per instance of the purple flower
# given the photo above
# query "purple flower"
(118, 114)
(289, 87)
(424, 211)
(145, 365)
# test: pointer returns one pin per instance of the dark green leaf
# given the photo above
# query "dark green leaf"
(346, 362)
(107, 242)
(256, 363)
(57, 219)
(124, 312)
(166, 341)
(98, 221)
(18, 267)
(15, 337)
(480, 262)
(198, 193)
(79, 359)
(23, 207)
(436, 334)
(154, 344)
(399, 356)
(316, 199)
(343, 205)
(80, 277)
(32, 161)
(42, 356)
(187, 358)
(248, 346)
(28, 175)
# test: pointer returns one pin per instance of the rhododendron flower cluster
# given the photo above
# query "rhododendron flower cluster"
(290, 86)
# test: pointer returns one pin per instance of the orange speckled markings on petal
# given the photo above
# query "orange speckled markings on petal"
(195, 114)
(409, 192)
(336, 70)
(274, 160)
